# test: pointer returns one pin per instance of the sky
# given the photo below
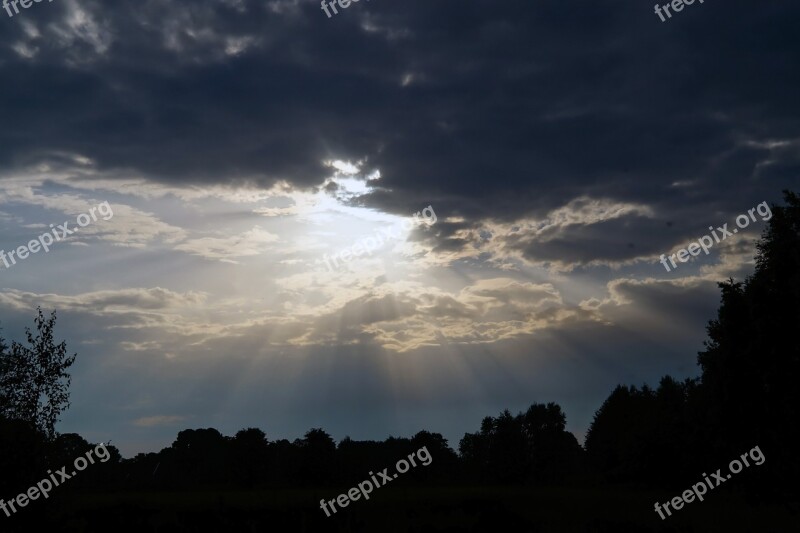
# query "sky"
(515, 168)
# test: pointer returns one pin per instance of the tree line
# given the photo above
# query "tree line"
(746, 395)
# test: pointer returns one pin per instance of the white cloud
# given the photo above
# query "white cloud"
(250, 243)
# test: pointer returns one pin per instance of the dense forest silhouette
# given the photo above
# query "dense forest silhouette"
(641, 438)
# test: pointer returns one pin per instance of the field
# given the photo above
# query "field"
(399, 509)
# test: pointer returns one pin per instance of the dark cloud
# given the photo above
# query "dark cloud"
(485, 109)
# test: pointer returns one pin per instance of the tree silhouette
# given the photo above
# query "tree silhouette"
(201, 456)
(641, 435)
(747, 394)
(751, 364)
(530, 447)
(34, 382)
(250, 449)
(317, 451)
(616, 440)
(555, 454)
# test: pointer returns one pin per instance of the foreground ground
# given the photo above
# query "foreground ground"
(404, 509)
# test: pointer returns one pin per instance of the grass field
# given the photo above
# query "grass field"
(399, 509)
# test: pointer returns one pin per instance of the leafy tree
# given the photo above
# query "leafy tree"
(747, 395)
(751, 364)
(34, 382)
(444, 465)
(616, 441)
(641, 435)
(250, 451)
(200, 456)
(317, 452)
(529, 447)
(555, 454)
